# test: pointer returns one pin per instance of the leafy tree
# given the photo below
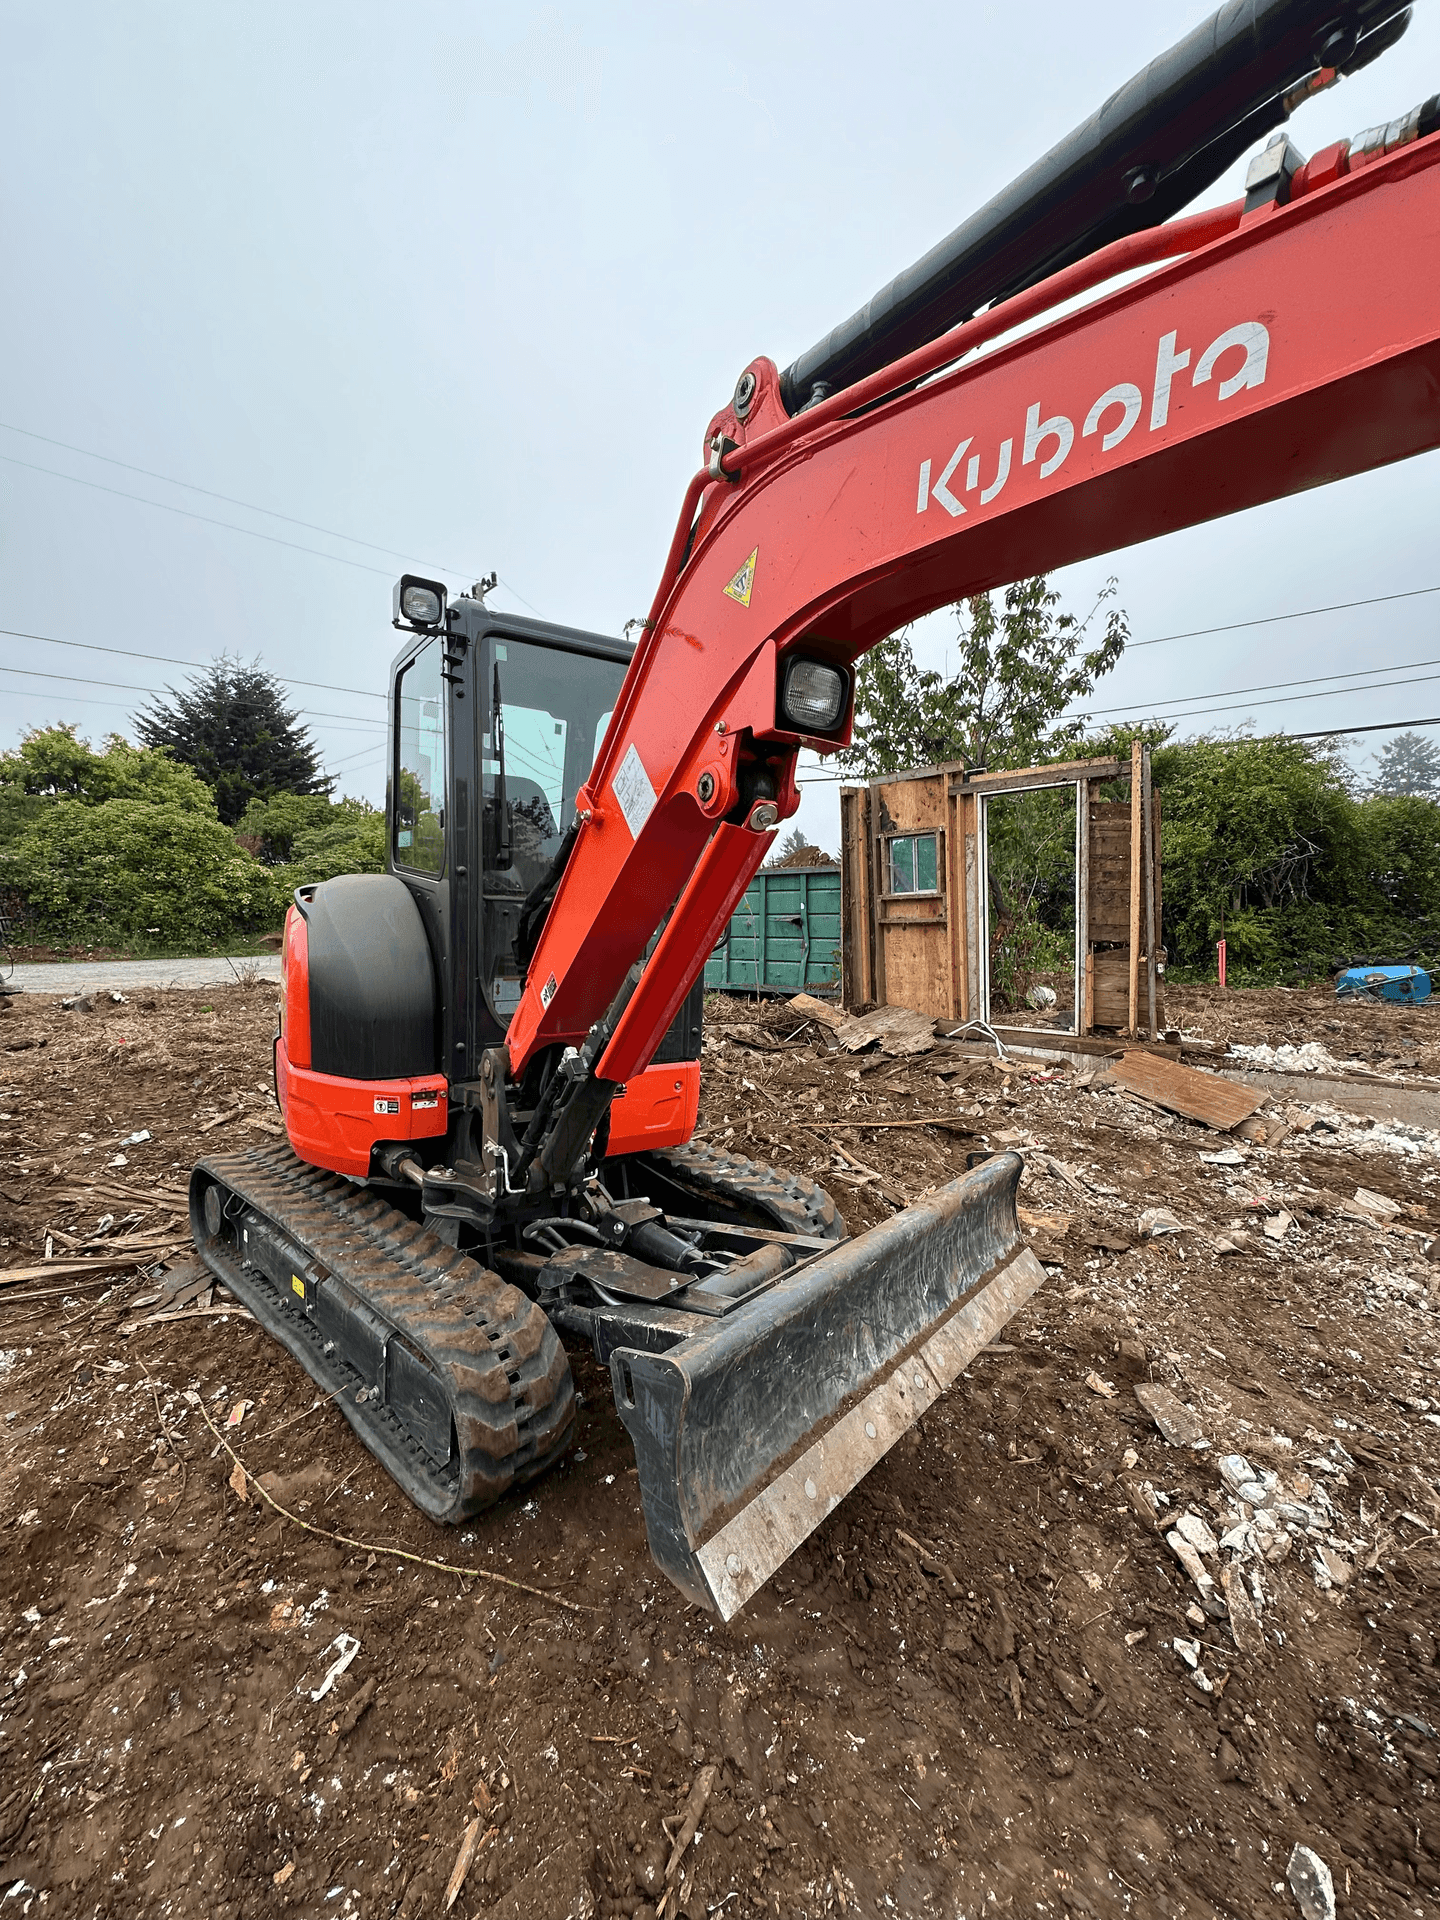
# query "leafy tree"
(231, 724)
(1409, 764)
(1021, 665)
(55, 762)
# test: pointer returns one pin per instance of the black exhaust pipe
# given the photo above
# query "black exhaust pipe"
(1157, 143)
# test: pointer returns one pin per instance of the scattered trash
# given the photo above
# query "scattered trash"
(1226, 1157)
(1176, 1422)
(1310, 1058)
(238, 1412)
(345, 1646)
(279, 1879)
(1383, 983)
(1255, 1485)
(1378, 1206)
(1278, 1225)
(120, 1160)
(239, 1485)
(1155, 1221)
(1102, 1387)
(1040, 998)
(1312, 1885)
(136, 1139)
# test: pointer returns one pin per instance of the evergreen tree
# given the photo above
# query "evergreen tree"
(232, 725)
(1409, 764)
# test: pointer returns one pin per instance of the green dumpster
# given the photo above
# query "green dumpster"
(784, 937)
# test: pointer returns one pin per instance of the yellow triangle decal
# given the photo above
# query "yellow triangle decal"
(740, 587)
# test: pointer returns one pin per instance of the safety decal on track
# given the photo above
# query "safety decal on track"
(631, 787)
(740, 587)
(297, 1285)
(549, 990)
(385, 1103)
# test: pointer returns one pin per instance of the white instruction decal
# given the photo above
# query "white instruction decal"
(631, 787)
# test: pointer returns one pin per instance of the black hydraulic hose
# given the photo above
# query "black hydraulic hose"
(1158, 142)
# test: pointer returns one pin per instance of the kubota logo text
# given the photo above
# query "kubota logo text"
(1113, 416)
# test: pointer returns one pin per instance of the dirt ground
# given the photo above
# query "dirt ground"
(987, 1685)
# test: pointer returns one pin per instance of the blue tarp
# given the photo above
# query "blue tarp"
(1383, 983)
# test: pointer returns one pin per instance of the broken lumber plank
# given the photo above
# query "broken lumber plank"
(1185, 1090)
(809, 1008)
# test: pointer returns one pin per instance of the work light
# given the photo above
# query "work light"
(813, 699)
(419, 602)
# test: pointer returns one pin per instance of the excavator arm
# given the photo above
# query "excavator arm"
(1286, 340)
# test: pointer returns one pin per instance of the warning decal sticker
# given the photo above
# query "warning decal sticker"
(739, 588)
(631, 787)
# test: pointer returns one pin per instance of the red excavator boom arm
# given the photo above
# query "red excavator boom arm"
(1278, 349)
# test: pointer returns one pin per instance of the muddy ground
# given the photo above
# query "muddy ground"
(971, 1693)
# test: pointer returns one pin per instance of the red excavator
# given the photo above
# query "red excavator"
(488, 1057)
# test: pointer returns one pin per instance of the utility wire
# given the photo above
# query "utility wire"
(1276, 686)
(1269, 620)
(317, 713)
(130, 653)
(230, 500)
(185, 513)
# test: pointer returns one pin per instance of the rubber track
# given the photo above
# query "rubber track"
(791, 1204)
(505, 1372)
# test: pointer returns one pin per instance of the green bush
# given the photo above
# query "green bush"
(350, 840)
(122, 846)
(129, 869)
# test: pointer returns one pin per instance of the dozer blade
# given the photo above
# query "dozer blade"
(749, 1433)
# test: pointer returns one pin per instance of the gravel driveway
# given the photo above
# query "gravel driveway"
(86, 976)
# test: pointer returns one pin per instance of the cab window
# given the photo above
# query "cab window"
(419, 819)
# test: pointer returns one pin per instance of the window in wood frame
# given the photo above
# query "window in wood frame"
(911, 864)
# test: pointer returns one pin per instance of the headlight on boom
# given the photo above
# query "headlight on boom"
(813, 696)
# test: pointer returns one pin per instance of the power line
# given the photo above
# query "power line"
(1275, 686)
(185, 513)
(1270, 619)
(1288, 699)
(230, 500)
(75, 679)
(130, 653)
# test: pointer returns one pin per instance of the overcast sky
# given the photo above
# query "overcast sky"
(468, 283)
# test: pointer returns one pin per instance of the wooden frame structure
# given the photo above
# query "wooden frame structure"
(928, 947)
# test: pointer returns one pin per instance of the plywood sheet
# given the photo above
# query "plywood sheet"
(1198, 1096)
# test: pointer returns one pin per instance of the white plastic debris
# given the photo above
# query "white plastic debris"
(345, 1646)
(1310, 1058)
(1188, 1650)
(1312, 1885)
(136, 1139)
(1227, 1157)
(1255, 1485)
(1040, 997)
(1155, 1221)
